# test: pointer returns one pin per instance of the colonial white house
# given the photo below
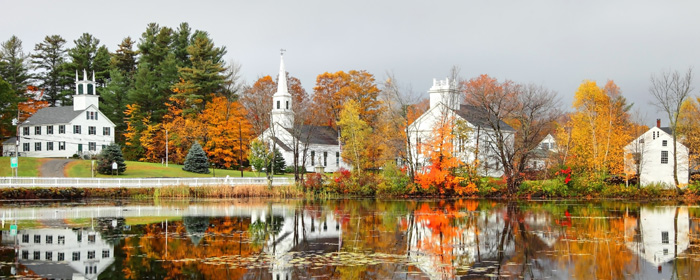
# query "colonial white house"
(64, 131)
(541, 156)
(478, 143)
(663, 235)
(61, 253)
(318, 145)
(651, 157)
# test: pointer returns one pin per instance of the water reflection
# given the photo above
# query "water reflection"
(350, 239)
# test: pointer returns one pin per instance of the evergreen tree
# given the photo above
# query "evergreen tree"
(278, 160)
(8, 104)
(108, 155)
(14, 65)
(205, 76)
(181, 40)
(196, 160)
(82, 55)
(114, 101)
(101, 66)
(124, 59)
(50, 57)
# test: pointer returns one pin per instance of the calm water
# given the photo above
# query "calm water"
(349, 239)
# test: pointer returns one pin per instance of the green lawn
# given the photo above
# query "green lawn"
(135, 169)
(28, 167)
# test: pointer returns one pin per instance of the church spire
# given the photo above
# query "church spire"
(282, 113)
(282, 77)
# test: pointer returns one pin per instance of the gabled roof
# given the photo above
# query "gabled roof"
(53, 115)
(478, 117)
(667, 130)
(281, 144)
(322, 135)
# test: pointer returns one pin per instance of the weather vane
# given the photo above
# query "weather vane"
(282, 51)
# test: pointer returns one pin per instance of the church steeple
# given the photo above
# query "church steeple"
(282, 113)
(85, 92)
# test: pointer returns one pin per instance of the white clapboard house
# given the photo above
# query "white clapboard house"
(651, 157)
(65, 131)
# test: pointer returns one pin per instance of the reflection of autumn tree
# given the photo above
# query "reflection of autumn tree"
(596, 246)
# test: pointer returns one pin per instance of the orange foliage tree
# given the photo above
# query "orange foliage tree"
(333, 89)
(440, 174)
(228, 132)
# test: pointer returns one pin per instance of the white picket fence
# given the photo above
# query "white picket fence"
(46, 182)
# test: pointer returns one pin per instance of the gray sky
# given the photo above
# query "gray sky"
(557, 43)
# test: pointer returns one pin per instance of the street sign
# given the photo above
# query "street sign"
(13, 162)
(13, 230)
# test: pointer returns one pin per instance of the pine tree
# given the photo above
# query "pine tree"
(114, 101)
(124, 59)
(109, 155)
(50, 57)
(196, 160)
(279, 162)
(13, 65)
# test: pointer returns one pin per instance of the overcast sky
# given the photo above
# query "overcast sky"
(557, 44)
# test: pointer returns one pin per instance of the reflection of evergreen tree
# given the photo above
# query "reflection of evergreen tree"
(196, 228)
(111, 234)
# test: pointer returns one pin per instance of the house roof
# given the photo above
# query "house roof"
(10, 141)
(281, 144)
(479, 117)
(667, 130)
(323, 135)
(53, 115)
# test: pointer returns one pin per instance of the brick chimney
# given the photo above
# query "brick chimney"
(658, 123)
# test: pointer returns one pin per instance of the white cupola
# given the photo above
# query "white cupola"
(445, 92)
(85, 92)
(282, 113)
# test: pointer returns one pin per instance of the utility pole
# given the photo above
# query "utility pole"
(166, 148)
(240, 149)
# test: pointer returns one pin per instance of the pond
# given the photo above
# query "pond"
(349, 239)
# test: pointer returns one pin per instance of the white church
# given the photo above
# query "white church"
(65, 131)
(446, 105)
(318, 145)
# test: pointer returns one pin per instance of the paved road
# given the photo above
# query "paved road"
(53, 167)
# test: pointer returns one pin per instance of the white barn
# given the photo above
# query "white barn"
(65, 131)
(651, 157)
(318, 145)
(445, 104)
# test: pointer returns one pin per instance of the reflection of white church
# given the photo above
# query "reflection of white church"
(661, 236)
(307, 233)
(61, 253)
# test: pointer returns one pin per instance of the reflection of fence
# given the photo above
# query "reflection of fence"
(14, 182)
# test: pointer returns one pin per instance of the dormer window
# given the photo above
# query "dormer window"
(664, 143)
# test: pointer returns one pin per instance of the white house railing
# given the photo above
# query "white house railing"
(48, 182)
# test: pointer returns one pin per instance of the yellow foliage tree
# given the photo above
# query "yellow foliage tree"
(228, 132)
(598, 129)
(689, 129)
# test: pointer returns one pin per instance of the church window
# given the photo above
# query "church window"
(76, 256)
(37, 238)
(25, 131)
(37, 255)
(49, 129)
(49, 146)
(89, 89)
(49, 239)
(91, 255)
(76, 129)
(105, 131)
(37, 130)
(61, 257)
(664, 157)
(287, 102)
(25, 147)
(25, 238)
(278, 104)
(313, 158)
(92, 130)
(61, 147)
(49, 256)
(325, 158)
(80, 89)
(61, 129)
(664, 237)
(92, 146)
(337, 158)
(37, 146)
(25, 254)
(664, 143)
(105, 254)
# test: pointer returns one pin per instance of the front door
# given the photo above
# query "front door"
(80, 147)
